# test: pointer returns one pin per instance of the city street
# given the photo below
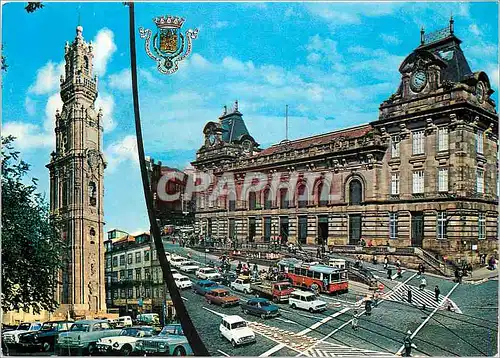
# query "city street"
(472, 332)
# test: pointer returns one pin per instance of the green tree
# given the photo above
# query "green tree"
(33, 6)
(31, 246)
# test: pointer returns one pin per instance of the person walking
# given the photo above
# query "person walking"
(318, 253)
(400, 273)
(409, 295)
(386, 262)
(423, 283)
(408, 344)
(368, 306)
(398, 263)
(354, 322)
(437, 291)
(389, 274)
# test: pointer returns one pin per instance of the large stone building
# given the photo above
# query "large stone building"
(424, 174)
(77, 184)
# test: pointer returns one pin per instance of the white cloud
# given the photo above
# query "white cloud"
(220, 24)
(30, 106)
(104, 47)
(121, 80)
(29, 136)
(47, 78)
(390, 39)
(124, 150)
(324, 46)
(107, 103)
(492, 71)
(235, 65)
(475, 29)
(313, 57)
(54, 103)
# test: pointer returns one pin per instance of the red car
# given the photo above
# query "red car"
(222, 297)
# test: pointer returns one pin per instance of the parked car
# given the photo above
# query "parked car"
(203, 286)
(147, 319)
(123, 321)
(83, 336)
(189, 266)
(11, 338)
(125, 342)
(222, 297)
(170, 341)
(45, 338)
(261, 307)
(182, 281)
(208, 273)
(235, 330)
(177, 261)
(242, 285)
(306, 301)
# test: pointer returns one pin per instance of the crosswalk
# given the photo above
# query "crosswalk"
(325, 349)
(421, 298)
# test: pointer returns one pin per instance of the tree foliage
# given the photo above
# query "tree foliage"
(33, 6)
(31, 246)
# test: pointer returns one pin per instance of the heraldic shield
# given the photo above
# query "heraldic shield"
(170, 45)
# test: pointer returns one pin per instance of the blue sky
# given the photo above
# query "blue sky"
(332, 63)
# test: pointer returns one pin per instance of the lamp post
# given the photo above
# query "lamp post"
(166, 64)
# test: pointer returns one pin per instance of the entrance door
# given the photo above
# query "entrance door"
(417, 228)
(284, 228)
(354, 229)
(322, 230)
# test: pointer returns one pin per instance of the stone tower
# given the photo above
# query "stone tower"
(76, 184)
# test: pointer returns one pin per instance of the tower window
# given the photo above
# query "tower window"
(86, 61)
(92, 194)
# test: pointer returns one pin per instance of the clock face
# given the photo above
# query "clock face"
(418, 80)
(211, 139)
(480, 91)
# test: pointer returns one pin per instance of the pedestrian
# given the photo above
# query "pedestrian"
(368, 306)
(389, 273)
(437, 291)
(423, 269)
(318, 253)
(423, 283)
(354, 322)
(325, 284)
(409, 295)
(238, 268)
(386, 262)
(398, 263)
(408, 344)
(399, 272)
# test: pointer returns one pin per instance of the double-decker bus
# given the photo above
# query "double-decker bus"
(306, 275)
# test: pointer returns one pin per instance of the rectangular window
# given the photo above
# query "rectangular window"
(130, 292)
(115, 294)
(481, 228)
(302, 229)
(115, 261)
(137, 257)
(122, 275)
(123, 292)
(418, 142)
(138, 274)
(232, 229)
(395, 146)
(393, 225)
(480, 181)
(147, 274)
(129, 259)
(442, 180)
(146, 255)
(138, 292)
(283, 198)
(418, 182)
(154, 255)
(122, 260)
(108, 262)
(395, 184)
(442, 225)
(267, 229)
(443, 143)
(130, 274)
(148, 292)
(480, 142)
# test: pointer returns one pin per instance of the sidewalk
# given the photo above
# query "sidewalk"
(481, 274)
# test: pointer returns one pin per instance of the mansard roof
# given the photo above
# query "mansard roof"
(348, 133)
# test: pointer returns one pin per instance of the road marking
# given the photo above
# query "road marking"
(396, 274)
(224, 354)
(285, 320)
(273, 350)
(428, 317)
(215, 312)
(323, 321)
(184, 298)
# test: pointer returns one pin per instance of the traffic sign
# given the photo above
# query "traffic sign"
(381, 286)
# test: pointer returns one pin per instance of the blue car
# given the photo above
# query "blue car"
(261, 307)
(203, 286)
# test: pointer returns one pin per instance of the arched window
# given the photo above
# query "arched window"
(251, 200)
(267, 199)
(232, 201)
(322, 194)
(283, 198)
(92, 194)
(301, 196)
(92, 231)
(86, 61)
(355, 192)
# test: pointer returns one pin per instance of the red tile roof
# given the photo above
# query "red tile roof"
(355, 132)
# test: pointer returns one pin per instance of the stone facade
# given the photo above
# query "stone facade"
(423, 174)
(77, 184)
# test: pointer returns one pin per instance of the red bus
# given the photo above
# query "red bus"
(301, 274)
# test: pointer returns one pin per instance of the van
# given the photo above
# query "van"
(123, 321)
(306, 301)
(148, 319)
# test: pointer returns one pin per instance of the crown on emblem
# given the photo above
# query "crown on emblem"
(168, 21)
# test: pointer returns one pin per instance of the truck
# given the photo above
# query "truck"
(278, 291)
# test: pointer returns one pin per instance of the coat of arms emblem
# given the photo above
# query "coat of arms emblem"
(170, 45)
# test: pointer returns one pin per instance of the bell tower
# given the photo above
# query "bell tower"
(76, 184)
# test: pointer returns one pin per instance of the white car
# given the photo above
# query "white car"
(242, 285)
(124, 344)
(306, 301)
(176, 261)
(189, 266)
(208, 273)
(123, 321)
(182, 281)
(12, 337)
(235, 330)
